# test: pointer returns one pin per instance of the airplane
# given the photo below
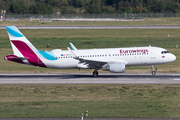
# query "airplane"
(109, 59)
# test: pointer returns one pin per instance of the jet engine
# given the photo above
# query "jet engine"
(114, 67)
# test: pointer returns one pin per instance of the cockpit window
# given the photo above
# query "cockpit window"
(164, 52)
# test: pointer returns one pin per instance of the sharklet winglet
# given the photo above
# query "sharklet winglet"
(73, 47)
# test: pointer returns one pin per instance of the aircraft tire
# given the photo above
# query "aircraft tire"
(95, 73)
(153, 73)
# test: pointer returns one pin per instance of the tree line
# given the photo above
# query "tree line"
(89, 6)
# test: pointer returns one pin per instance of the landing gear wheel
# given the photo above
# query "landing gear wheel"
(95, 73)
(153, 72)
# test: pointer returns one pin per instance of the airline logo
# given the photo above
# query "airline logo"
(163, 56)
(134, 51)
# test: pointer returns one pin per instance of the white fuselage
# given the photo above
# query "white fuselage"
(132, 56)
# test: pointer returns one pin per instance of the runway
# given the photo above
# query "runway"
(82, 78)
(99, 27)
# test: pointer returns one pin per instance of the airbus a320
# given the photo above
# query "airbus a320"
(110, 59)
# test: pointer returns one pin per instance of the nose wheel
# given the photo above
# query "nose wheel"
(153, 70)
(153, 73)
(95, 73)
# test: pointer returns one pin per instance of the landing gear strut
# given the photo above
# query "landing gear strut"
(95, 73)
(153, 70)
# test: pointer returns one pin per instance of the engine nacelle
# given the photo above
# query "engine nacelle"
(114, 67)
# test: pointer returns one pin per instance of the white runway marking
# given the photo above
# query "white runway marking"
(176, 79)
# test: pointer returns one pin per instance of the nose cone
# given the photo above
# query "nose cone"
(173, 57)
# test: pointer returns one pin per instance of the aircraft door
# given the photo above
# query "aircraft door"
(152, 54)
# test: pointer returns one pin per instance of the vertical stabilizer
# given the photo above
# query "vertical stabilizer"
(22, 47)
(18, 41)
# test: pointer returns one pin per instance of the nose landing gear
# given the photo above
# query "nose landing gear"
(153, 70)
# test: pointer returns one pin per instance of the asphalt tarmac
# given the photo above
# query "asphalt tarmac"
(99, 27)
(87, 78)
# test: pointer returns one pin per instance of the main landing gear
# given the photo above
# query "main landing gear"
(95, 73)
(153, 70)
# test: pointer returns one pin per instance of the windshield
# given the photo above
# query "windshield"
(164, 52)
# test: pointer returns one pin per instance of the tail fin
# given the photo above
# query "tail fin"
(22, 48)
(19, 42)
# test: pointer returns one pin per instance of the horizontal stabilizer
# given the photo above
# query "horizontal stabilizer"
(21, 58)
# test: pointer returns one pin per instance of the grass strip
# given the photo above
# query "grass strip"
(141, 101)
